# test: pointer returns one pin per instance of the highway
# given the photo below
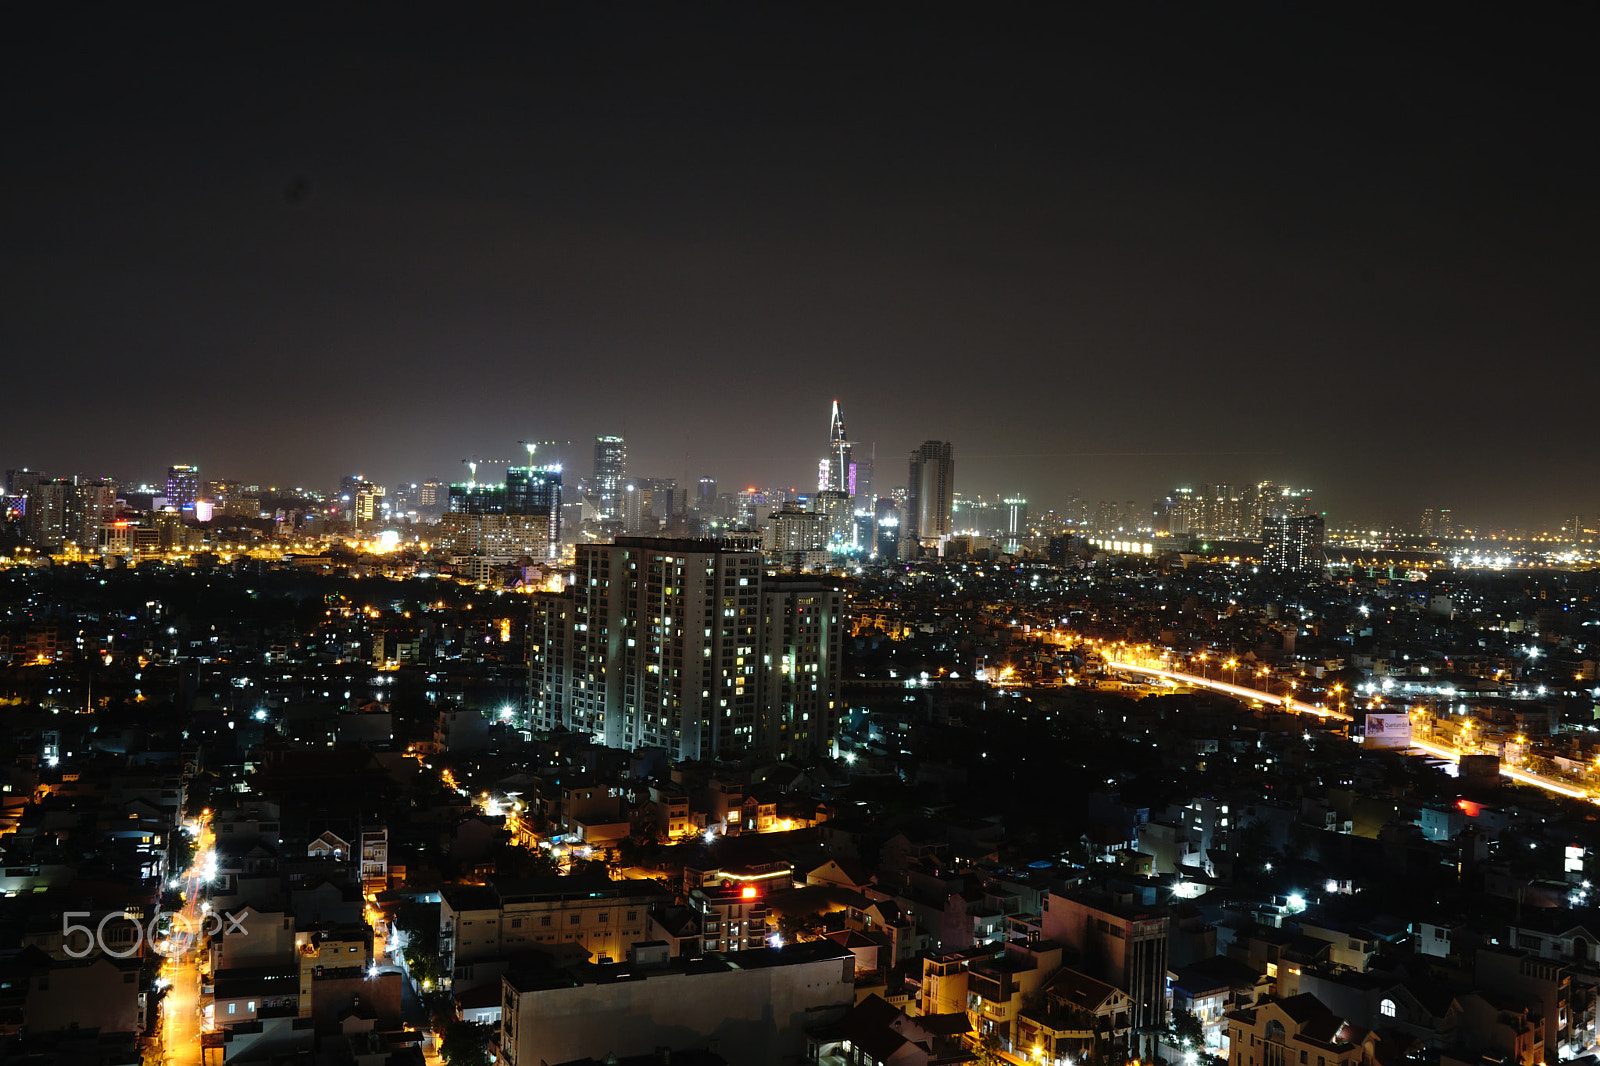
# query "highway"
(1449, 754)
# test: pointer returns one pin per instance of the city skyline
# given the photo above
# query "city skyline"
(1111, 251)
(1420, 515)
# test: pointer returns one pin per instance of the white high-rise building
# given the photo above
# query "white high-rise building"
(930, 493)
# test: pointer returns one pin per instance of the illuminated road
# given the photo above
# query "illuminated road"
(1239, 691)
(181, 1021)
(1523, 777)
(180, 1034)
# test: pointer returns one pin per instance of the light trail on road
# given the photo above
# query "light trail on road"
(1523, 777)
(1241, 691)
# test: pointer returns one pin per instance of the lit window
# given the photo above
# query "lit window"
(1386, 1008)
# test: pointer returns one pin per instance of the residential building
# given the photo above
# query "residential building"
(797, 539)
(603, 917)
(802, 632)
(1298, 1031)
(1294, 542)
(47, 521)
(998, 985)
(757, 1006)
(1079, 1019)
(733, 917)
(93, 506)
(667, 643)
(1120, 942)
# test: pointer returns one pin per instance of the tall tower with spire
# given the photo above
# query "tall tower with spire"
(838, 473)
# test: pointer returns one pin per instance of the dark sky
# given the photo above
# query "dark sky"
(1112, 250)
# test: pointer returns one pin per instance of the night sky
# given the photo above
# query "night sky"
(1114, 251)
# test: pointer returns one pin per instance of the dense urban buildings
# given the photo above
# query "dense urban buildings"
(1239, 705)
(1047, 786)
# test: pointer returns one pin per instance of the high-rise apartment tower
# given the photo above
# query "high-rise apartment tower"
(687, 646)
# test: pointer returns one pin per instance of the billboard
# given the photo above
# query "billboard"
(1388, 731)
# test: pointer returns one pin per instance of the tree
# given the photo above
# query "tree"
(1187, 1032)
(465, 1044)
(423, 965)
(989, 1050)
(801, 926)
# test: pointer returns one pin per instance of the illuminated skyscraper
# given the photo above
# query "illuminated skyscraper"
(183, 486)
(838, 473)
(610, 471)
(930, 493)
(366, 504)
(1016, 522)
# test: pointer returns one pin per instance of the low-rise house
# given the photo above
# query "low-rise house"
(1000, 985)
(1297, 1031)
(877, 1033)
(1080, 1018)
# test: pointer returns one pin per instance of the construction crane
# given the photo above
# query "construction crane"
(473, 462)
(533, 446)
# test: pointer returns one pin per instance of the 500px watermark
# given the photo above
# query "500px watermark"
(169, 933)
